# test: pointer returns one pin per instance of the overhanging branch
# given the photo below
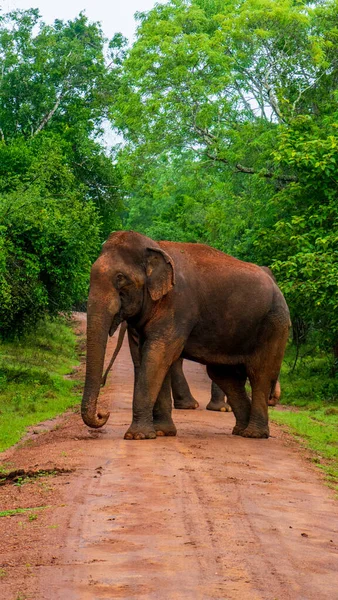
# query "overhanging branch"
(49, 115)
(238, 168)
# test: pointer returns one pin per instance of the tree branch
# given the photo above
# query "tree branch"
(273, 102)
(250, 171)
(49, 115)
(245, 101)
(309, 87)
(208, 137)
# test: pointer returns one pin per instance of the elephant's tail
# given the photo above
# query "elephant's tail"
(275, 393)
(120, 339)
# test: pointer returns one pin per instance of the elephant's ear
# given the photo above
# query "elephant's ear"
(160, 272)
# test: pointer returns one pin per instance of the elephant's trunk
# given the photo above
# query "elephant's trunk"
(120, 340)
(98, 327)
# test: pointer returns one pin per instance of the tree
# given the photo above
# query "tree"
(58, 187)
(228, 112)
(46, 248)
(56, 87)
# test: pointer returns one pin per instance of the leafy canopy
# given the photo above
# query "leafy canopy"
(58, 187)
(229, 112)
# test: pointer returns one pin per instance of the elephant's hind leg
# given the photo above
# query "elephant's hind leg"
(258, 426)
(231, 380)
(163, 423)
(263, 374)
(183, 398)
(217, 401)
(275, 395)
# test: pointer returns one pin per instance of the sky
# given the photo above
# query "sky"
(115, 15)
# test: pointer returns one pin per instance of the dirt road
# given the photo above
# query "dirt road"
(204, 515)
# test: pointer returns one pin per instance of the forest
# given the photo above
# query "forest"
(224, 121)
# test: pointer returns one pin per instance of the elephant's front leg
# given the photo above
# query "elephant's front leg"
(154, 367)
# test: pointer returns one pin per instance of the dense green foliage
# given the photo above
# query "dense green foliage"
(46, 258)
(32, 383)
(229, 112)
(58, 186)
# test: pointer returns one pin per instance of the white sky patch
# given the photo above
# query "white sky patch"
(114, 15)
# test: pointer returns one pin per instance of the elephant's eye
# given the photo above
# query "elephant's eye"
(120, 280)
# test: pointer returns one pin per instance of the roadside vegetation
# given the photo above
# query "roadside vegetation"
(58, 185)
(32, 383)
(310, 406)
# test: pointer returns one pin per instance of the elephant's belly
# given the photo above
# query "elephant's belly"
(213, 354)
(228, 341)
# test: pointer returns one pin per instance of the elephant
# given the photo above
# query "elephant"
(184, 399)
(191, 301)
(182, 396)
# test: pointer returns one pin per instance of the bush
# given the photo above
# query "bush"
(46, 248)
(32, 383)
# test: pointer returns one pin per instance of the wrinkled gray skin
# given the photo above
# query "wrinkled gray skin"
(182, 396)
(189, 301)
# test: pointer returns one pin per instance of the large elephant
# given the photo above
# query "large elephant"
(186, 300)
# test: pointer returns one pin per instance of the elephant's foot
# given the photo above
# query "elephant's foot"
(252, 431)
(140, 432)
(220, 406)
(164, 428)
(187, 403)
(239, 428)
(272, 401)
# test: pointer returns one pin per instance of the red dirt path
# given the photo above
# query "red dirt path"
(205, 515)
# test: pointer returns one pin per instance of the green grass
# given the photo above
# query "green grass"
(32, 383)
(18, 511)
(313, 394)
(319, 432)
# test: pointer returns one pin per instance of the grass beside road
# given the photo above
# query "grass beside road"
(32, 383)
(313, 419)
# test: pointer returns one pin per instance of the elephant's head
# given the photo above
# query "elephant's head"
(131, 273)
